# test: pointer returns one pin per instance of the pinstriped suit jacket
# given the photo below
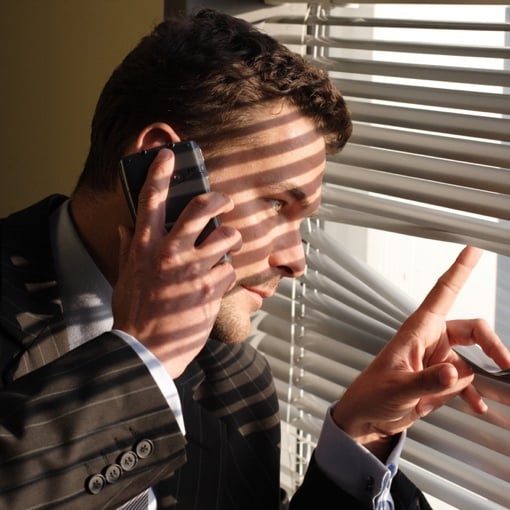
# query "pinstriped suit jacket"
(67, 417)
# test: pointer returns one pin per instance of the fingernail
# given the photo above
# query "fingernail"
(164, 154)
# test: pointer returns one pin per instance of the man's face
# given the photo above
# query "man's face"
(274, 177)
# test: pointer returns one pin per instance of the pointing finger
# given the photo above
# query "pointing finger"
(442, 296)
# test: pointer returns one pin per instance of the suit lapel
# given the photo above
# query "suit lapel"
(232, 433)
(31, 317)
(200, 482)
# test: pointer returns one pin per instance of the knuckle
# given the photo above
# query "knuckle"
(150, 195)
(208, 289)
(170, 257)
(139, 242)
(171, 253)
(481, 324)
(193, 270)
(228, 232)
(200, 202)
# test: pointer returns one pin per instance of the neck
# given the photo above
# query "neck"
(96, 216)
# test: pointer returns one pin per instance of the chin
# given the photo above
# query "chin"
(232, 326)
(229, 334)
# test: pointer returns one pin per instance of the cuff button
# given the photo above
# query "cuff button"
(144, 448)
(112, 473)
(95, 484)
(128, 461)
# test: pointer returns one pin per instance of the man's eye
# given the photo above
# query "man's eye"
(277, 204)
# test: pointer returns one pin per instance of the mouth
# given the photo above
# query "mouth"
(257, 295)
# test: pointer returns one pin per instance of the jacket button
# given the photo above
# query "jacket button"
(95, 484)
(144, 448)
(112, 473)
(128, 461)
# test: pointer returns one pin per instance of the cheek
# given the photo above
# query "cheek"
(257, 236)
(257, 224)
(251, 218)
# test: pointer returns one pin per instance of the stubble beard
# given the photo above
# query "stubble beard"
(233, 322)
(232, 325)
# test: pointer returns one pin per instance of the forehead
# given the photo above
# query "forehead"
(278, 147)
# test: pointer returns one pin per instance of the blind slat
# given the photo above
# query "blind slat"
(349, 290)
(461, 173)
(458, 472)
(322, 242)
(431, 96)
(421, 190)
(399, 226)
(370, 207)
(393, 46)
(498, 78)
(432, 144)
(446, 490)
(421, 119)
(372, 22)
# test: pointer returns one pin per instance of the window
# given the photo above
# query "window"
(427, 170)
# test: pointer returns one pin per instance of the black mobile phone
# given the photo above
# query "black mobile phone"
(188, 180)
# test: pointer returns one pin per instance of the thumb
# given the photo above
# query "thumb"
(431, 384)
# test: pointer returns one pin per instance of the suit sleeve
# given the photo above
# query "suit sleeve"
(89, 430)
(317, 488)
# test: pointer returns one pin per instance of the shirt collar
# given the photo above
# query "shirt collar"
(86, 294)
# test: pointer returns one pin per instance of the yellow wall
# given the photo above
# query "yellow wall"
(55, 56)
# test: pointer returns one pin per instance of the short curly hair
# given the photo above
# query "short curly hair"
(203, 74)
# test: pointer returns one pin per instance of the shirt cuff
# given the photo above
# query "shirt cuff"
(354, 468)
(163, 380)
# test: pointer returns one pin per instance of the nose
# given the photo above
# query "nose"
(287, 253)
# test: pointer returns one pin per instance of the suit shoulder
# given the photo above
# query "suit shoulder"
(225, 361)
(238, 383)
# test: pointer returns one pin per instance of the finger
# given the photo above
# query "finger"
(445, 382)
(478, 331)
(220, 241)
(226, 277)
(435, 386)
(152, 198)
(442, 296)
(431, 381)
(472, 397)
(197, 214)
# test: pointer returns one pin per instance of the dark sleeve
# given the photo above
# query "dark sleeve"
(406, 495)
(317, 488)
(89, 430)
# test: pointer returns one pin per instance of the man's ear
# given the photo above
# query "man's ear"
(154, 135)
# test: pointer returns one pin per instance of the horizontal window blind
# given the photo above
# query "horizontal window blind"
(320, 333)
(429, 157)
(431, 120)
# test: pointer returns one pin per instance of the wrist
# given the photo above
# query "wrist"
(366, 434)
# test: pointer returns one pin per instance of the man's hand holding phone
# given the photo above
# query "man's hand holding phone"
(170, 286)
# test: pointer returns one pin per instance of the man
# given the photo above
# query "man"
(125, 379)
